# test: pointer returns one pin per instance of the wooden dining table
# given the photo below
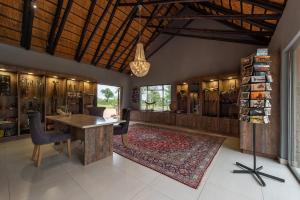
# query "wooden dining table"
(95, 132)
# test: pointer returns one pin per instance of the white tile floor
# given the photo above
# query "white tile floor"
(117, 178)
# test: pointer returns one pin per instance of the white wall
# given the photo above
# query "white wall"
(183, 58)
(10, 55)
(287, 29)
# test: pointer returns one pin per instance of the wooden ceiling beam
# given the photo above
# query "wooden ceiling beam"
(105, 11)
(53, 45)
(108, 66)
(219, 17)
(135, 40)
(160, 2)
(129, 17)
(156, 32)
(225, 11)
(83, 32)
(168, 40)
(216, 31)
(105, 32)
(244, 41)
(231, 25)
(54, 24)
(153, 37)
(27, 21)
(275, 7)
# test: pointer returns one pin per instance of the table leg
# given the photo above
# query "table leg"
(97, 143)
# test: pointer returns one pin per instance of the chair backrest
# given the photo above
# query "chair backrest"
(38, 134)
(126, 116)
(97, 111)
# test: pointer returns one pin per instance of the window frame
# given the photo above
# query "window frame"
(163, 96)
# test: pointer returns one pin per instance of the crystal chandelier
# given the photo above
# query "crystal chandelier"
(139, 67)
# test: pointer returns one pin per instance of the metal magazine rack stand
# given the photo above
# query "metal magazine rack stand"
(255, 103)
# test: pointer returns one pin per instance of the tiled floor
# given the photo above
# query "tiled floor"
(117, 178)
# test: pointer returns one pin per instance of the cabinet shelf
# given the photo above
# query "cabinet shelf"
(42, 93)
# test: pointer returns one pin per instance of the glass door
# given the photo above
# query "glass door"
(294, 133)
(110, 98)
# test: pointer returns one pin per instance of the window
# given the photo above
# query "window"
(157, 98)
(109, 97)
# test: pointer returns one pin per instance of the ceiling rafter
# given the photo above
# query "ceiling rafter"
(83, 32)
(53, 45)
(225, 11)
(113, 43)
(136, 39)
(105, 11)
(160, 2)
(54, 24)
(186, 24)
(216, 31)
(129, 17)
(231, 24)
(220, 17)
(156, 32)
(105, 32)
(108, 66)
(266, 5)
(245, 41)
(27, 21)
(153, 37)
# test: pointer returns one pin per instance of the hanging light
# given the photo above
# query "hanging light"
(139, 67)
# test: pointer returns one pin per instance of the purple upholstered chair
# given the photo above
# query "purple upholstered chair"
(122, 128)
(97, 111)
(40, 137)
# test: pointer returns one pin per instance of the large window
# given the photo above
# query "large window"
(157, 98)
(109, 97)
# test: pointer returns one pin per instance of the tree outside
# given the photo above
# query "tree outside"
(108, 97)
(160, 95)
(107, 93)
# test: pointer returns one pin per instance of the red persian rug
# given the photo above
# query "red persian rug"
(181, 156)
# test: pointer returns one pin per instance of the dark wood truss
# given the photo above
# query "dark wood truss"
(105, 33)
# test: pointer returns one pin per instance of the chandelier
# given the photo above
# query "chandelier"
(139, 66)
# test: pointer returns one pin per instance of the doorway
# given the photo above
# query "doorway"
(110, 98)
(293, 142)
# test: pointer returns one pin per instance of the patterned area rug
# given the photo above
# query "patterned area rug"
(181, 156)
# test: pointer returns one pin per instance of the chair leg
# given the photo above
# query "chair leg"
(69, 148)
(34, 152)
(125, 139)
(40, 155)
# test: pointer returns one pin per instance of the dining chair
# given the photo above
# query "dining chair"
(97, 111)
(40, 137)
(122, 128)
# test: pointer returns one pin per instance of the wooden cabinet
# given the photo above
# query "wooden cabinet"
(22, 91)
(224, 126)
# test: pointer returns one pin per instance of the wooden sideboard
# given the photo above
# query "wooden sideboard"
(224, 126)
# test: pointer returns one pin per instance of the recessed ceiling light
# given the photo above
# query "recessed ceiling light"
(2, 69)
(87, 81)
(211, 80)
(55, 76)
(230, 77)
(73, 79)
(33, 3)
(30, 73)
